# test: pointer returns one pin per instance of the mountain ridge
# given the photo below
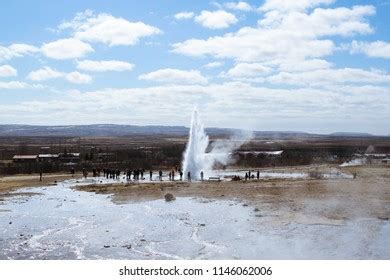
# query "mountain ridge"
(129, 130)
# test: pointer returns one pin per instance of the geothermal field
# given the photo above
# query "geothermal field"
(333, 203)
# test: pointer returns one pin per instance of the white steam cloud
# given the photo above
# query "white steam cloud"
(196, 159)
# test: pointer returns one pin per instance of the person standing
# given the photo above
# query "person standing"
(189, 176)
(160, 175)
(258, 174)
(151, 175)
(201, 175)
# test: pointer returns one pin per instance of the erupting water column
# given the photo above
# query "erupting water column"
(195, 153)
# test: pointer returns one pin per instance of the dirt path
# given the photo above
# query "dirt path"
(9, 183)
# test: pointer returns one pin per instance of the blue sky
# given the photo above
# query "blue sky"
(316, 66)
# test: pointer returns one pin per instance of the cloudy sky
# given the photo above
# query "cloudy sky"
(308, 65)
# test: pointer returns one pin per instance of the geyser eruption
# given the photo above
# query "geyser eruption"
(197, 160)
(194, 155)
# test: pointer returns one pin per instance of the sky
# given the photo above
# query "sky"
(318, 66)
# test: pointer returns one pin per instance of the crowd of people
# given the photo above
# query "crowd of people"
(248, 176)
(136, 174)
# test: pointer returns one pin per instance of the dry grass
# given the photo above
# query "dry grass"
(9, 183)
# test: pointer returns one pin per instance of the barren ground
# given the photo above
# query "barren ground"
(266, 219)
(331, 200)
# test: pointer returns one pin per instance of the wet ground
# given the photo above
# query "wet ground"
(226, 175)
(59, 222)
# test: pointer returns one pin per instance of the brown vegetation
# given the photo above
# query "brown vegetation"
(164, 152)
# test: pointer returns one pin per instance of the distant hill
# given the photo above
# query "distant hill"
(129, 130)
(89, 130)
(283, 134)
(350, 134)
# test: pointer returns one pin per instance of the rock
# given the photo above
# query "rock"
(202, 225)
(142, 240)
(106, 246)
(256, 210)
(245, 205)
(10, 223)
(169, 197)
(127, 246)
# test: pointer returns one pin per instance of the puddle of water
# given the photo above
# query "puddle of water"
(66, 224)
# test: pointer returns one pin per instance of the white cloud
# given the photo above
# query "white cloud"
(184, 15)
(77, 21)
(66, 49)
(241, 6)
(248, 70)
(331, 77)
(284, 36)
(216, 19)
(104, 65)
(176, 76)
(16, 50)
(362, 108)
(295, 5)
(47, 73)
(7, 71)
(373, 49)
(214, 64)
(19, 85)
(44, 74)
(302, 66)
(13, 85)
(23, 49)
(251, 44)
(78, 78)
(107, 29)
(322, 22)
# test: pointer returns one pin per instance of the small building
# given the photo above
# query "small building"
(25, 158)
(69, 157)
(48, 157)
